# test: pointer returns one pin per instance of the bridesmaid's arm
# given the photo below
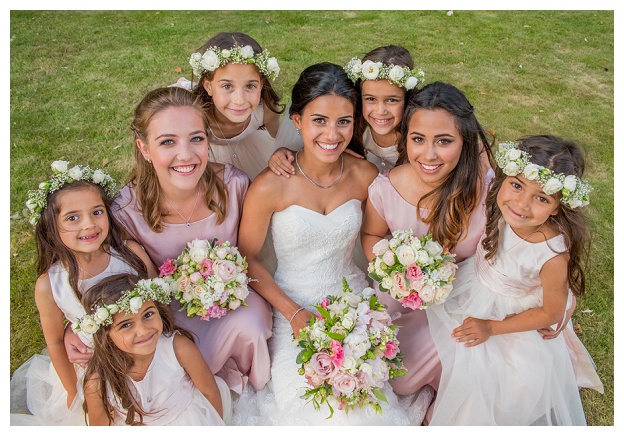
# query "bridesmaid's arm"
(260, 203)
(140, 251)
(374, 228)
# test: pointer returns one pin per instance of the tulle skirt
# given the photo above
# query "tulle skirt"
(511, 379)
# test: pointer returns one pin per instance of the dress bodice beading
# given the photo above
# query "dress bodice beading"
(314, 251)
(515, 270)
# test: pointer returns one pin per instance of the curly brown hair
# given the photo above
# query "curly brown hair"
(560, 156)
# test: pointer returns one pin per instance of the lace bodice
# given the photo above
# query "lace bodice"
(314, 251)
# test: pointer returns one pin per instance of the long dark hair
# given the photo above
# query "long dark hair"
(109, 365)
(326, 79)
(560, 156)
(457, 197)
(50, 247)
(389, 55)
(228, 40)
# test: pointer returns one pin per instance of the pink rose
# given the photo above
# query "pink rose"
(343, 383)
(206, 267)
(167, 268)
(414, 272)
(195, 277)
(412, 301)
(225, 270)
(214, 311)
(323, 365)
(391, 350)
(337, 355)
(324, 302)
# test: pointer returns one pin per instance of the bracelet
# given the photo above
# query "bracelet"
(295, 314)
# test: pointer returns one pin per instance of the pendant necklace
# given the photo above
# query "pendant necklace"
(188, 221)
(312, 181)
(87, 272)
(227, 140)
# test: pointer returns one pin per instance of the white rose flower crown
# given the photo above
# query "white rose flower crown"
(38, 199)
(214, 57)
(370, 70)
(130, 301)
(513, 161)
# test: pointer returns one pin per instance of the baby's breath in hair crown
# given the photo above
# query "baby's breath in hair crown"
(38, 199)
(513, 161)
(155, 289)
(214, 57)
(370, 70)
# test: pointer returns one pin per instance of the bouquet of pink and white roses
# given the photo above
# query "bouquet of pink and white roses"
(349, 351)
(208, 278)
(415, 271)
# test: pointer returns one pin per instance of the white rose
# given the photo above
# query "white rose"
(241, 292)
(396, 73)
(273, 66)
(201, 243)
(387, 283)
(59, 166)
(511, 169)
(44, 185)
(531, 171)
(101, 314)
(513, 154)
(31, 204)
(75, 173)
(570, 183)
(388, 258)
(416, 245)
(247, 52)
(370, 70)
(241, 278)
(198, 254)
(349, 364)
(433, 248)
(218, 287)
(222, 252)
(426, 293)
(234, 304)
(574, 203)
(411, 83)
(406, 255)
(552, 186)
(195, 60)
(210, 61)
(445, 271)
(423, 257)
(351, 299)
(442, 293)
(356, 66)
(88, 325)
(348, 321)
(135, 304)
(226, 53)
(380, 247)
(98, 176)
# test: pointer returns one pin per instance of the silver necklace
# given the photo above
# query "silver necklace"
(233, 149)
(87, 272)
(312, 181)
(188, 221)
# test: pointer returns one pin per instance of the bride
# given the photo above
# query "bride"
(315, 217)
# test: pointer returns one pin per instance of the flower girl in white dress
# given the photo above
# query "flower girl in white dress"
(496, 367)
(144, 370)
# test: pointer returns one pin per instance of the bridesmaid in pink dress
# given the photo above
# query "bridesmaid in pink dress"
(175, 195)
(438, 186)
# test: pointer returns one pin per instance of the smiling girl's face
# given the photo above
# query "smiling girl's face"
(137, 333)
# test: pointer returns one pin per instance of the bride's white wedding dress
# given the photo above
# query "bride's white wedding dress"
(314, 252)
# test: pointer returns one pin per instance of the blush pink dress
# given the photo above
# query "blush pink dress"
(420, 355)
(234, 346)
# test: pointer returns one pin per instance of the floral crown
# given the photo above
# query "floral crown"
(38, 199)
(131, 301)
(370, 70)
(215, 57)
(513, 161)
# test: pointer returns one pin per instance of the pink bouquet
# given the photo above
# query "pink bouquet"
(208, 278)
(349, 351)
(415, 271)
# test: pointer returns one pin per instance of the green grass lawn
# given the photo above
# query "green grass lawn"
(76, 77)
